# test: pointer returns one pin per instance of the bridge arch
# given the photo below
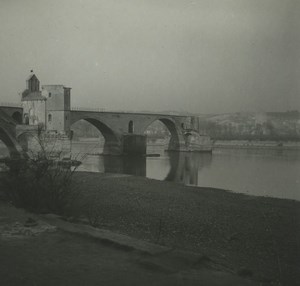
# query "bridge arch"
(17, 116)
(112, 143)
(10, 143)
(174, 129)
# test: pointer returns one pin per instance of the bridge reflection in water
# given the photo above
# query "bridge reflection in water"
(130, 165)
(185, 166)
(180, 167)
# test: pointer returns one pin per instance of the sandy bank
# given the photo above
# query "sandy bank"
(63, 253)
(259, 234)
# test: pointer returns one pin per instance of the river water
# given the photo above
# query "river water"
(273, 173)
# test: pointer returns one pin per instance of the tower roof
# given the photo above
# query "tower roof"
(32, 92)
(31, 76)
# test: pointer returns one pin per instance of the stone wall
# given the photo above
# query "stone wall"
(38, 142)
(35, 111)
(57, 107)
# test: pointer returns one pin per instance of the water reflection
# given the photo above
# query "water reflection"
(180, 167)
(257, 172)
(185, 166)
(130, 165)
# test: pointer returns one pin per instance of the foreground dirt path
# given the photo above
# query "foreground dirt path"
(253, 236)
(63, 259)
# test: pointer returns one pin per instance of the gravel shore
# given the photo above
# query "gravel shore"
(253, 236)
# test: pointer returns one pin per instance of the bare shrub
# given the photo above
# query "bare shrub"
(40, 183)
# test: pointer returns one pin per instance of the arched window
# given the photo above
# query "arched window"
(130, 126)
(26, 119)
(49, 117)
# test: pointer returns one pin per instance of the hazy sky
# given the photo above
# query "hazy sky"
(201, 56)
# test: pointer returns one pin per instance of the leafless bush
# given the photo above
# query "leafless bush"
(40, 183)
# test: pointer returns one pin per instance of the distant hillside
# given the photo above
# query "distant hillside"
(262, 126)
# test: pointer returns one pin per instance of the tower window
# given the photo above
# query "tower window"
(130, 127)
(49, 94)
(49, 117)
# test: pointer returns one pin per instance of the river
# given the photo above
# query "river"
(273, 173)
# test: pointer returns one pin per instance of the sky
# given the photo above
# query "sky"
(199, 56)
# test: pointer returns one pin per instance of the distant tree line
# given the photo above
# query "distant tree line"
(275, 126)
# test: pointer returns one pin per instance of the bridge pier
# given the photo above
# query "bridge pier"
(134, 144)
(111, 147)
(177, 144)
(127, 144)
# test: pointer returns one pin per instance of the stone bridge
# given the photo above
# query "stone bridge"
(15, 111)
(48, 111)
(125, 132)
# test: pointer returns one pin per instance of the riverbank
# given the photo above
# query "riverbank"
(254, 237)
(50, 251)
(258, 235)
(257, 144)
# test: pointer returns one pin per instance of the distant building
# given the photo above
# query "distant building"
(33, 103)
(49, 108)
(58, 107)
